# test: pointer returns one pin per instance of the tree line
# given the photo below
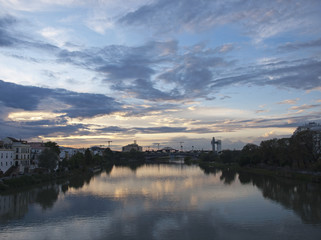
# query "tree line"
(296, 152)
(49, 158)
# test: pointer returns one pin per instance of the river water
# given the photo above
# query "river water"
(164, 202)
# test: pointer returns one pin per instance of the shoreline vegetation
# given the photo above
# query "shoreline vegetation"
(293, 158)
(86, 172)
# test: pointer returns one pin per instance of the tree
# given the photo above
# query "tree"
(230, 156)
(302, 149)
(48, 159)
(268, 151)
(53, 146)
(249, 154)
(108, 155)
(88, 157)
(77, 160)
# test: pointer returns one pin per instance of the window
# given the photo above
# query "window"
(17, 150)
(6, 155)
(17, 156)
(1, 155)
(6, 163)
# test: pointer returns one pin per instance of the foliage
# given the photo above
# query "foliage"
(249, 154)
(208, 157)
(53, 146)
(302, 149)
(108, 155)
(76, 161)
(296, 152)
(48, 159)
(230, 156)
(88, 157)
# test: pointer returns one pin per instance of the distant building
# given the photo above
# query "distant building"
(97, 150)
(67, 152)
(312, 126)
(168, 150)
(36, 149)
(131, 147)
(21, 154)
(217, 143)
(6, 159)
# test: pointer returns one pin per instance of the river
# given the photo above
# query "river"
(172, 201)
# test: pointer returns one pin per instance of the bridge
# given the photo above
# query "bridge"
(150, 156)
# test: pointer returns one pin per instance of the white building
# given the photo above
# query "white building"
(97, 150)
(312, 126)
(131, 147)
(21, 154)
(36, 148)
(66, 152)
(6, 159)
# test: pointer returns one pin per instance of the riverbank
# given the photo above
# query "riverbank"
(26, 181)
(278, 172)
(31, 180)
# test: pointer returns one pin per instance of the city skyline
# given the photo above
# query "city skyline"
(82, 73)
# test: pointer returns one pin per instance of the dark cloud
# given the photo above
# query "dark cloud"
(6, 38)
(170, 16)
(76, 104)
(259, 19)
(144, 89)
(302, 74)
(194, 72)
(300, 45)
(47, 128)
(23, 97)
(10, 37)
(286, 121)
(306, 107)
(154, 130)
(161, 129)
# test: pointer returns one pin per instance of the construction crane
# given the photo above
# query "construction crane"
(181, 144)
(109, 143)
(157, 145)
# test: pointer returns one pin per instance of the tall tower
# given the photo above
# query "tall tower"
(216, 145)
(213, 144)
(219, 146)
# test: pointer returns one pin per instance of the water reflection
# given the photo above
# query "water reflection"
(16, 205)
(164, 202)
(304, 198)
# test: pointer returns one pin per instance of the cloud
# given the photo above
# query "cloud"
(9, 37)
(37, 5)
(153, 71)
(259, 20)
(6, 38)
(302, 74)
(305, 107)
(300, 45)
(284, 121)
(73, 104)
(46, 128)
(289, 101)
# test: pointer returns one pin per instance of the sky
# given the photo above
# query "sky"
(85, 72)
